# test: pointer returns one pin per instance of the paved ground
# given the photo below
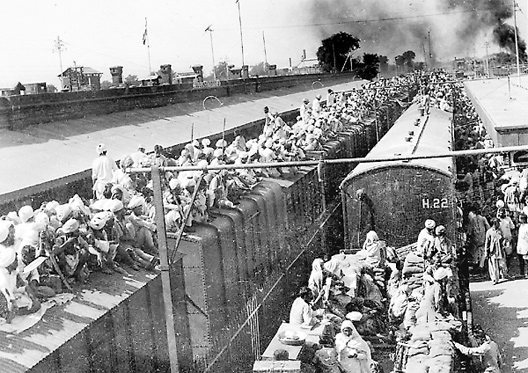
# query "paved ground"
(502, 311)
(51, 151)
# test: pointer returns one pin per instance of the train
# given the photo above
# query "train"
(394, 198)
(247, 261)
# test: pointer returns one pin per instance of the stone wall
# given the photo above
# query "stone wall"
(17, 112)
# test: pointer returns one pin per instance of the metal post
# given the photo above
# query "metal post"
(172, 254)
(516, 42)
(456, 153)
(241, 39)
(165, 273)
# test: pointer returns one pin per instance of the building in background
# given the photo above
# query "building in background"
(79, 78)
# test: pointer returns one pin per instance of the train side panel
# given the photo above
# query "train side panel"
(396, 202)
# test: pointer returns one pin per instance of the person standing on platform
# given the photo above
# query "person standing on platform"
(507, 227)
(522, 244)
(488, 352)
(495, 252)
(103, 168)
(477, 227)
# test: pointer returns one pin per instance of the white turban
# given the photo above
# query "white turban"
(7, 256)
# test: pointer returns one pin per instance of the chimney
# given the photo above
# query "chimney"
(117, 75)
(245, 72)
(198, 70)
(166, 74)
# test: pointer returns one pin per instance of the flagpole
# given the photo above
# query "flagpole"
(146, 38)
(241, 39)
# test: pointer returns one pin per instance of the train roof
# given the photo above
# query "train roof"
(432, 136)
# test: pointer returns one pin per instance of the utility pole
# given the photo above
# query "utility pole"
(516, 42)
(265, 54)
(59, 47)
(334, 53)
(430, 54)
(486, 44)
(241, 39)
(209, 28)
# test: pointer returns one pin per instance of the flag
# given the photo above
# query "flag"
(145, 33)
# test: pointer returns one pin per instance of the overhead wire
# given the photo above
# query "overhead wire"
(344, 22)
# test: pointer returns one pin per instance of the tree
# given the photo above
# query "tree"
(132, 80)
(105, 84)
(409, 59)
(333, 52)
(50, 88)
(259, 69)
(383, 62)
(369, 68)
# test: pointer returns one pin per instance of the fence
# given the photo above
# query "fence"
(250, 331)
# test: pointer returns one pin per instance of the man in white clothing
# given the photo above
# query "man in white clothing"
(103, 169)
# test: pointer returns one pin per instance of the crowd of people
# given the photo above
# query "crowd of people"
(414, 301)
(47, 249)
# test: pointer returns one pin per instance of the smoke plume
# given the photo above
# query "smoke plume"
(443, 28)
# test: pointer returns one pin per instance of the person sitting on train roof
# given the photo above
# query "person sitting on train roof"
(372, 249)
(141, 226)
(139, 158)
(442, 245)
(103, 168)
(426, 237)
(71, 250)
(301, 312)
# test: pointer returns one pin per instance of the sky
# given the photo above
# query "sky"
(101, 34)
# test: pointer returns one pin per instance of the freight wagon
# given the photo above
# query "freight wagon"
(278, 227)
(394, 198)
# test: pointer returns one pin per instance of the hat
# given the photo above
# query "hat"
(116, 206)
(13, 217)
(347, 324)
(173, 183)
(305, 100)
(25, 213)
(430, 224)
(217, 153)
(354, 316)
(4, 231)
(500, 204)
(243, 155)
(42, 218)
(50, 206)
(98, 221)
(100, 148)
(70, 226)
(63, 211)
(141, 147)
(206, 142)
(7, 256)
(221, 143)
(318, 97)
(440, 274)
(440, 229)
(137, 201)
(195, 143)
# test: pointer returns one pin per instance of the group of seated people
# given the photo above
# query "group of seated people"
(371, 308)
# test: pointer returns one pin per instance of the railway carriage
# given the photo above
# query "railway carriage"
(394, 198)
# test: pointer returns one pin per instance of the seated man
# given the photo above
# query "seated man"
(301, 312)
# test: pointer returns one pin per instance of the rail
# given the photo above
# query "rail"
(321, 162)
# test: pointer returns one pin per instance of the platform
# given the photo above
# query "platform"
(56, 150)
(502, 104)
